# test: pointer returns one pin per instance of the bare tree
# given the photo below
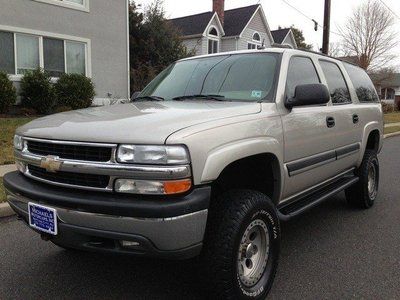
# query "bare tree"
(336, 49)
(369, 35)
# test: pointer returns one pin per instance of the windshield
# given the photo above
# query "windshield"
(241, 77)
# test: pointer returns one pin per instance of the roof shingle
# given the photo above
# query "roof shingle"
(194, 24)
(280, 34)
(235, 21)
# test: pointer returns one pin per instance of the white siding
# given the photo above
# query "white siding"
(256, 24)
(228, 45)
(289, 41)
(195, 44)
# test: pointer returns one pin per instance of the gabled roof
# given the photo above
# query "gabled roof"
(194, 24)
(235, 21)
(280, 35)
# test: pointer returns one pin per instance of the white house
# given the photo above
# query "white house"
(89, 37)
(223, 30)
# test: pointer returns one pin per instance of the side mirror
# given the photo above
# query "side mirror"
(135, 95)
(308, 94)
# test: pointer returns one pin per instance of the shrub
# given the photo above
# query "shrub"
(75, 91)
(8, 93)
(387, 107)
(28, 112)
(37, 91)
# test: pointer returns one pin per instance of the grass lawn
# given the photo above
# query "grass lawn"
(7, 130)
(392, 117)
(2, 193)
(392, 129)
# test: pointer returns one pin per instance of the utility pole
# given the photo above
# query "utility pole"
(327, 27)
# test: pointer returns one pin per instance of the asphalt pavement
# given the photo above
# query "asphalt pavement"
(331, 252)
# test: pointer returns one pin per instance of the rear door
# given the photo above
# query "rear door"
(309, 133)
(346, 115)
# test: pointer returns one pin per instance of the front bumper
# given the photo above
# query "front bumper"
(170, 227)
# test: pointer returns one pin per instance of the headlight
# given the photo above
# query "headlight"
(18, 142)
(160, 155)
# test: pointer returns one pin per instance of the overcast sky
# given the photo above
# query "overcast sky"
(279, 13)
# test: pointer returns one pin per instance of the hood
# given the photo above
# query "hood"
(141, 122)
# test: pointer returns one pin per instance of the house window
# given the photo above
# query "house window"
(55, 55)
(212, 46)
(251, 46)
(75, 57)
(73, 4)
(27, 53)
(7, 57)
(256, 37)
(255, 43)
(213, 41)
(388, 94)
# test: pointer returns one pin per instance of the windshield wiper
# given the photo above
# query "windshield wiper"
(151, 98)
(200, 96)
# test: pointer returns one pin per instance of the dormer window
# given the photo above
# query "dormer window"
(213, 40)
(256, 42)
(213, 31)
(256, 37)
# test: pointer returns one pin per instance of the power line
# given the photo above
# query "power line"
(311, 19)
(394, 14)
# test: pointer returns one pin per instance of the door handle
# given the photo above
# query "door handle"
(355, 118)
(330, 122)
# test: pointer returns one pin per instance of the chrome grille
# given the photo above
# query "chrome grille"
(78, 179)
(70, 151)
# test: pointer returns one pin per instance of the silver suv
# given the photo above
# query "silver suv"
(207, 161)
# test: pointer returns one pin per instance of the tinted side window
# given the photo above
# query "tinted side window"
(362, 83)
(336, 82)
(301, 71)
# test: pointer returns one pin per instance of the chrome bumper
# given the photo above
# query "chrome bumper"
(166, 234)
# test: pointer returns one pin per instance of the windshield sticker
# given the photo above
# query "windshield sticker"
(256, 94)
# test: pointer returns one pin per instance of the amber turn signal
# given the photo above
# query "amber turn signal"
(177, 186)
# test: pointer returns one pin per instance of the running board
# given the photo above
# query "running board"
(286, 211)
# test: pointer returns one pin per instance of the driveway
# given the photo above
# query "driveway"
(332, 252)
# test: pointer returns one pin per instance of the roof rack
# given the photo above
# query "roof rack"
(286, 46)
(326, 55)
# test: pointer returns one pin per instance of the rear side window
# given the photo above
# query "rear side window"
(336, 82)
(301, 71)
(362, 83)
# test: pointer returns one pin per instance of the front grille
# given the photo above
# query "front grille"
(67, 151)
(86, 180)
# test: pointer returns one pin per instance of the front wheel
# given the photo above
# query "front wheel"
(242, 246)
(365, 191)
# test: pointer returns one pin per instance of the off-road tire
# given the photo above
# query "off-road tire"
(230, 216)
(359, 195)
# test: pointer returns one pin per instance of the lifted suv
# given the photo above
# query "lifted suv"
(208, 160)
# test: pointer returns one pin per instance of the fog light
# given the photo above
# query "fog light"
(146, 187)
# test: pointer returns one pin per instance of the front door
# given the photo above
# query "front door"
(309, 133)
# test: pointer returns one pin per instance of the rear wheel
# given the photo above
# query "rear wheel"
(241, 250)
(365, 191)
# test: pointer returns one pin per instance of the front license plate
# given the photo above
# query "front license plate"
(43, 218)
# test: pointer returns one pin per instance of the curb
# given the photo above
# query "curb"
(5, 210)
(391, 135)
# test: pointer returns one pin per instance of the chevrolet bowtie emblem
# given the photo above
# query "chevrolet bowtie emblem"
(52, 164)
